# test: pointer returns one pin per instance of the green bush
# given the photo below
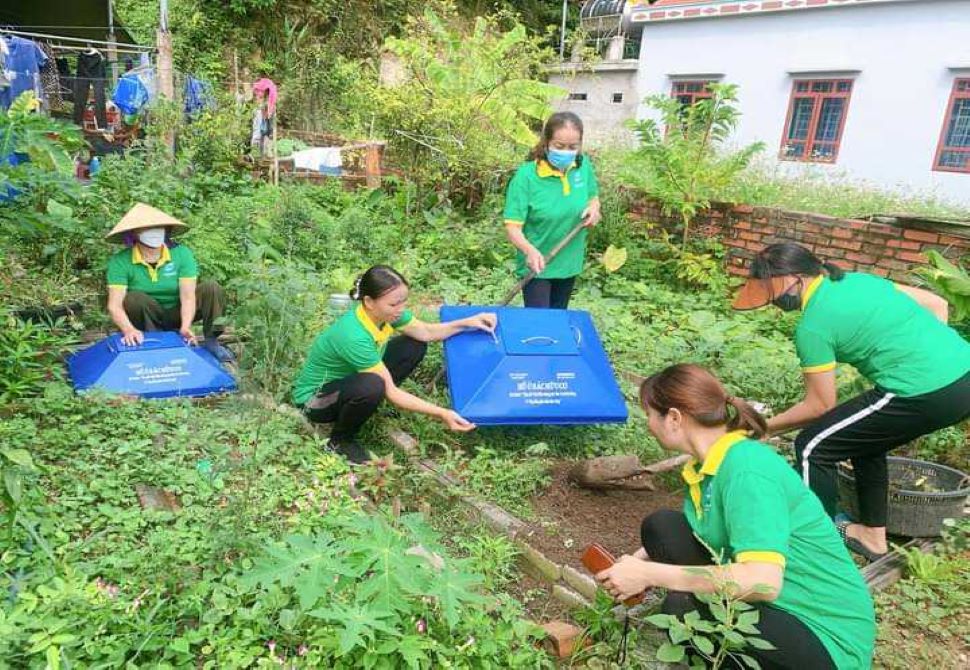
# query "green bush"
(467, 110)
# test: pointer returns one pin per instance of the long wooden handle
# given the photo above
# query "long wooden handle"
(548, 257)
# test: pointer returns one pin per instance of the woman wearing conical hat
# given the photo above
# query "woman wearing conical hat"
(153, 282)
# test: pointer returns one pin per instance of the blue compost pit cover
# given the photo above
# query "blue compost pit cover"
(545, 366)
(161, 367)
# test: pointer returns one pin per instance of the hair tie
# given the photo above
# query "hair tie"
(357, 287)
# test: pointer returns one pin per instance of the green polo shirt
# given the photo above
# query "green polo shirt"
(128, 270)
(893, 341)
(749, 505)
(548, 204)
(352, 344)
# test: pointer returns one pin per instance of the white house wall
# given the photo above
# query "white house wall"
(907, 55)
(603, 120)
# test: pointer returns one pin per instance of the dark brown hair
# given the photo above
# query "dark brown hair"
(377, 281)
(552, 124)
(788, 258)
(700, 395)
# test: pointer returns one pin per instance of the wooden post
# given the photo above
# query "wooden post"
(166, 74)
(276, 155)
(372, 165)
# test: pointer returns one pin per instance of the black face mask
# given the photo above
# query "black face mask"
(788, 302)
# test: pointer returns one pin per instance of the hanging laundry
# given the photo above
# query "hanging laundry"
(130, 94)
(23, 61)
(49, 80)
(268, 88)
(4, 79)
(198, 95)
(264, 93)
(65, 79)
(91, 73)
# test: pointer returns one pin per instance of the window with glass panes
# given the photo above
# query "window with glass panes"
(689, 92)
(953, 152)
(816, 117)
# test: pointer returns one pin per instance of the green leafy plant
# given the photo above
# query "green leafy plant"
(46, 177)
(468, 104)
(711, 642)
(387, 597)
(29, 355)
(950, 281)
(685, 153)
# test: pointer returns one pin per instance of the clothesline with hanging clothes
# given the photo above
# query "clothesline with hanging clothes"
(71, 47)
(81, 40)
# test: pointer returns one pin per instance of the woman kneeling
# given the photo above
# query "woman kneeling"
(355, 363)
(768, 532)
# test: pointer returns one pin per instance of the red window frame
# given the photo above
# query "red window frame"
(817, 93)
(960, 91)
(691, 89)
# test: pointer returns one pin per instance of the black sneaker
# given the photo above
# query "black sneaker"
(350, 450)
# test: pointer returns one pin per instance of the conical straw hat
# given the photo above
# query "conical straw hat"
(142, 216)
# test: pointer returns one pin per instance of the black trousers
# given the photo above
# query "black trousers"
(91, 71)
(347, 403)
(548, 293)
(668, 538)
(863, 430)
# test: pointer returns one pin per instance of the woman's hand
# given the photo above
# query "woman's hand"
(189, 336)
(591, 215)
(485, 321)
(453, 421)
(535, 260)
(627, 577)
(133, 337)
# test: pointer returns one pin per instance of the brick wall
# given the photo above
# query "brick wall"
(890, 248)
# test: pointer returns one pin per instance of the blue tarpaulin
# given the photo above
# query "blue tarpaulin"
(130, 94)
(161, 367)
(544, 366)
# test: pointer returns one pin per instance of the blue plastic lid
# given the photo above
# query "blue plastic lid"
(544, 367)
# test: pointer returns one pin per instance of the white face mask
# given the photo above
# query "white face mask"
(152, 237)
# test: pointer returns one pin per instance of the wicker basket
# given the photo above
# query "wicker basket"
(913, 513)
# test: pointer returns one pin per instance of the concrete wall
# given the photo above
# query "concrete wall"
(907, 55)
(602, 118)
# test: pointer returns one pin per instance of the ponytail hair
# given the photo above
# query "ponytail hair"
(700, 395)
(549, 128)
(377, 281)
(788, 258)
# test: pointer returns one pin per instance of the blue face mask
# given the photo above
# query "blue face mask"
(561, 160)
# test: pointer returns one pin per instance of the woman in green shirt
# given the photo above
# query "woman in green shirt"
(153, 283)
(896, 336)
(356, 362)
(768, 533)
(549, 195)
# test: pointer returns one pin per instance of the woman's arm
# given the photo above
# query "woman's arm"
(937, 305)
(116, 310)
(411, 403)
(756, 581)
(435, 332)
(533, 257)
(820, 397)
(187, 310)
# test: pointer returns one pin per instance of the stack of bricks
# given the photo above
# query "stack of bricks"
(890, 250)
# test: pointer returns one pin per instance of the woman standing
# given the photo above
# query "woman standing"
(153, 283)
(550, 194)
(769, 534)
(356, 362)
(897, 337)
